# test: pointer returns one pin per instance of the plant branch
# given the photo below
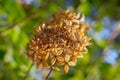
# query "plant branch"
(48, 74)
(28, 72)
(111, 39)
(29, 17)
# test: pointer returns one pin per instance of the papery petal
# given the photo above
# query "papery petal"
(53, 60)
(75, 26)
(71, 63)
(66, 68)
(60, 52)
(73, 59)
(38, 65)
(82, 19)
(85, 49)
(67, 58)
(55, 68)
(45, 64)
(47, 55)
(75, 21)
(73, 37)
(78, 16)
(60, 63)
(60, 59)
(79, 55)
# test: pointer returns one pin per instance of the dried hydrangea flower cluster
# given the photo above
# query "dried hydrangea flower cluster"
(60, 41)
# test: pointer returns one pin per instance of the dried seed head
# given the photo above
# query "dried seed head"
(59, 41)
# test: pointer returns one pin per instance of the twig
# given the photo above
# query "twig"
(28, 72)
(22, 21)
(48, 74)
(29, 17)
(111, 39)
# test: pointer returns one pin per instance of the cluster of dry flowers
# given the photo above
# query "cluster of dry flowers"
(59, 41)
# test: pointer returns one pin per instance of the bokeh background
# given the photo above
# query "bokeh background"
(18, 18)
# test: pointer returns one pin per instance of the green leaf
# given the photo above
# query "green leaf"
(23, 39)
(98, 26)
(85, 8)
(2, 53)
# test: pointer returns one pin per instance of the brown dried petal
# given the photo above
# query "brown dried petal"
(89, 38)
(67, 58)
(85, 49)
(55, 68)
(79, 55)
(73, 37)
(75, 26)
(70, 15)
(75, 53)
(77, 45)
(53, 60)
(68, 22)
(67, 11)
(69, 51)
(47, 55)
(60, 59)
(38, 29)
(71, 63)
(39, 65)
(87, 44)
(43, 26)
(82, 19)
(39, 57)
(60, 52)
(78, 16)
(60, 63)
(73, 59)
(75, 21)
(66, 68)
(45, 64)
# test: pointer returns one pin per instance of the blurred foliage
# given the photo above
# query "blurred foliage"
(18, 18)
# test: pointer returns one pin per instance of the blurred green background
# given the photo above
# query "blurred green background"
(18, 18)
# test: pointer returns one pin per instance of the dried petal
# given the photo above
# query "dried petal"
(75, 21)
(78, 16)
(60, 52)
(73, 59)
(53, 60)
(60, 59)
(70, 15)
(89, 38)
(73, 37)
(67, 58)
(39, 65)
(67, 11)
(60, 63)
(66, 68)
(47, 55)
(79, 55)
(71, 63)
(85, 49)
(82, 19)
(43, 25)
(45, 64)
(55, 68)
(75, 26)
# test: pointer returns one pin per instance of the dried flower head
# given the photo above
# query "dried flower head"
(60, 41)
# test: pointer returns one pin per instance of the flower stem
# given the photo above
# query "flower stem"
(48, 74)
